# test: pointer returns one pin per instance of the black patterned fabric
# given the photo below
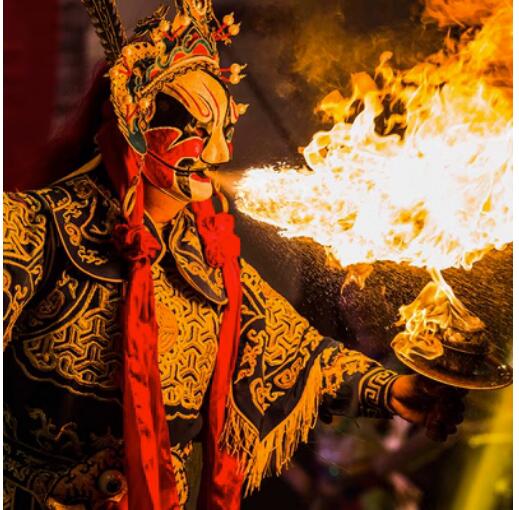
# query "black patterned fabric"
(63, 286)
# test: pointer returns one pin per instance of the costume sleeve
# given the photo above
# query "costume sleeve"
(24, 254)
(286, 372)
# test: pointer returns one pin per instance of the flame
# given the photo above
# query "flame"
(418, 165)
(436, 313)
(358, 274)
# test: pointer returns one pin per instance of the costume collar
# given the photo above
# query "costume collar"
(85, 209)
(185, 246)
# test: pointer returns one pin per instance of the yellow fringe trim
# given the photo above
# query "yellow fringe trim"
(275, 450)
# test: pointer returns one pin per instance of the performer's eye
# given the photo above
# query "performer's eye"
(169, 113)
(163, 106)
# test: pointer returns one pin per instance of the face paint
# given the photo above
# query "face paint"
(191, 132)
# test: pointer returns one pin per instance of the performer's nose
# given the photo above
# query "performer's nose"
(216, 150)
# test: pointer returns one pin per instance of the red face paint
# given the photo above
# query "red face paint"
(167, 152)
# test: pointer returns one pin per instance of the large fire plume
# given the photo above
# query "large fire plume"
(417, 167)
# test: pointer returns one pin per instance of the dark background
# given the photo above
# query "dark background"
(296, 51)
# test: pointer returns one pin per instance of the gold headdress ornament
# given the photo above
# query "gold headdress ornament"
(159, 51)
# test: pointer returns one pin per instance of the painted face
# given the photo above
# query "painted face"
(190, 133)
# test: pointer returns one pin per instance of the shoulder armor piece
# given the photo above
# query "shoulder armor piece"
(26, 250)
(85, 209)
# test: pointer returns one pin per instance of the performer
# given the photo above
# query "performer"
(132, 327)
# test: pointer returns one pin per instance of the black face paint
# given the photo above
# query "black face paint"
(170, 113)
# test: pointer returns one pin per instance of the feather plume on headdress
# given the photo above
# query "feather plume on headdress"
(106, 20)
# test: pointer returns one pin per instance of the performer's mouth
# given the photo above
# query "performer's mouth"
(195, 175)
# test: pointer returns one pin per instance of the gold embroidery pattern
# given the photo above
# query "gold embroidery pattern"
(251, 353)
(83, 350)
(24, 242)
(9, 491)
(374, 392)
(340, 362)
(16, 297)
(57, 461)
(75, 204)
(187, 250)
(263, 395)
(89, 480)
(34, 474)
(72, 207)
(278, 338)
(53, 306)
(286, 366)
(188, 329)
(49, 438)
(258, 455)
(179, 457)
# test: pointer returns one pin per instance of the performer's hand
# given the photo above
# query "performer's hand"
(439, 408)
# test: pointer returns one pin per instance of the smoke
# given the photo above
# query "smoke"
(337, 38)
(318, 45)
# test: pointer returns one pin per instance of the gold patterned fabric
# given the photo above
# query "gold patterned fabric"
(80, 352)
(63, 286)
(179, 458)
(24, 254)
(374, 390)
(186, 247)
(188, 343)
(9, 492)
(285, 369)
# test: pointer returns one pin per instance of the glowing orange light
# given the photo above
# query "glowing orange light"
(437, 196)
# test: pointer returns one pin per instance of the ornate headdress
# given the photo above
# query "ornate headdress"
(159, 51)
